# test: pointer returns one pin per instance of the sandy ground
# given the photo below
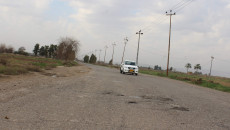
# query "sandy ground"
(15, 86)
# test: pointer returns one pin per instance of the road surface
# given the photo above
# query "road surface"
(104, 99)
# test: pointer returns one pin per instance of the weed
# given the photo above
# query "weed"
(194, 79)
(3, 61)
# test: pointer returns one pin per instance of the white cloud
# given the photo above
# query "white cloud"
(198, 31)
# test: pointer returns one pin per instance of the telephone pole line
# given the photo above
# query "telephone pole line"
(105, 52)
(139, 33)
(126, 40)
(169, 14)
(113, 51)
(96, 54)
(212, 58)
(100, 55)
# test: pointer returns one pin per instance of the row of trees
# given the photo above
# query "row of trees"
(65, 50)
(6, 49)
(10, 49)
(92, 59)
(197, 67)
(47, 51)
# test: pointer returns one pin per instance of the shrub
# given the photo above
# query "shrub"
(69, 63)
(33, 68)
(67, 49)
(86, 59)
(111, 62)
(3, 61)
(92, 59)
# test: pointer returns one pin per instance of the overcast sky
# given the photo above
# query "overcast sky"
(200, 29)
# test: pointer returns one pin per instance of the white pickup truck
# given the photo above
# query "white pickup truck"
(129, 67)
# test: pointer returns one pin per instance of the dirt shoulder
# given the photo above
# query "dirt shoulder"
(15, 86)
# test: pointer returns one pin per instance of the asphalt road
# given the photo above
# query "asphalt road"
(104, 99)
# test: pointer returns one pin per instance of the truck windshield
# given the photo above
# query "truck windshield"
(129, 63)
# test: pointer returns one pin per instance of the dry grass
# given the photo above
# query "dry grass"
(218, 83)
(12, 64)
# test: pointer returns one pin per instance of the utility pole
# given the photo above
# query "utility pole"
(126, 40)
(113, 51)
(105, 52)
(169, 14)
(139, 33)
(212, 58)
(96, 55)
(100, 55)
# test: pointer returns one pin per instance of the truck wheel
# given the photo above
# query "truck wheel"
(136, 74)
(120, 71)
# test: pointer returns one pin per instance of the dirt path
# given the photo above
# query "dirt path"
(15, 86)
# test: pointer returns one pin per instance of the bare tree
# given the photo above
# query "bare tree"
(21, 49)
(67, 48)
(2, 48)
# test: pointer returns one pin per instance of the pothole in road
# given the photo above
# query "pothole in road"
(120, 95)
(107, 93)
(180, 108)
(112, 93)
(132, 102)
(164, 99)
(147, 97)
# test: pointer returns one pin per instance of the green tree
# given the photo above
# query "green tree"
(188, 66)
(55, 47)
(36, 49)
(51, 51)
(46, 51)
(92, 59)
(42, 51)
(86, 59)
(156, 67)
(197, 67)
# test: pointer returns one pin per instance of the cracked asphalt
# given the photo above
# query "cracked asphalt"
(104, 99)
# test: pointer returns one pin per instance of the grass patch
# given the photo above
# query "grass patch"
(70, 63)
(13, 64)
(200, 80)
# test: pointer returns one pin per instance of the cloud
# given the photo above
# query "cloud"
(198, 31)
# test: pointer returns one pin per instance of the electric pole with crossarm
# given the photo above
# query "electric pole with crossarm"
(139, 33)
(169, 14)
(212, 58)
(105, 52)
(113, 51)
(100, 55)
(126, 40)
